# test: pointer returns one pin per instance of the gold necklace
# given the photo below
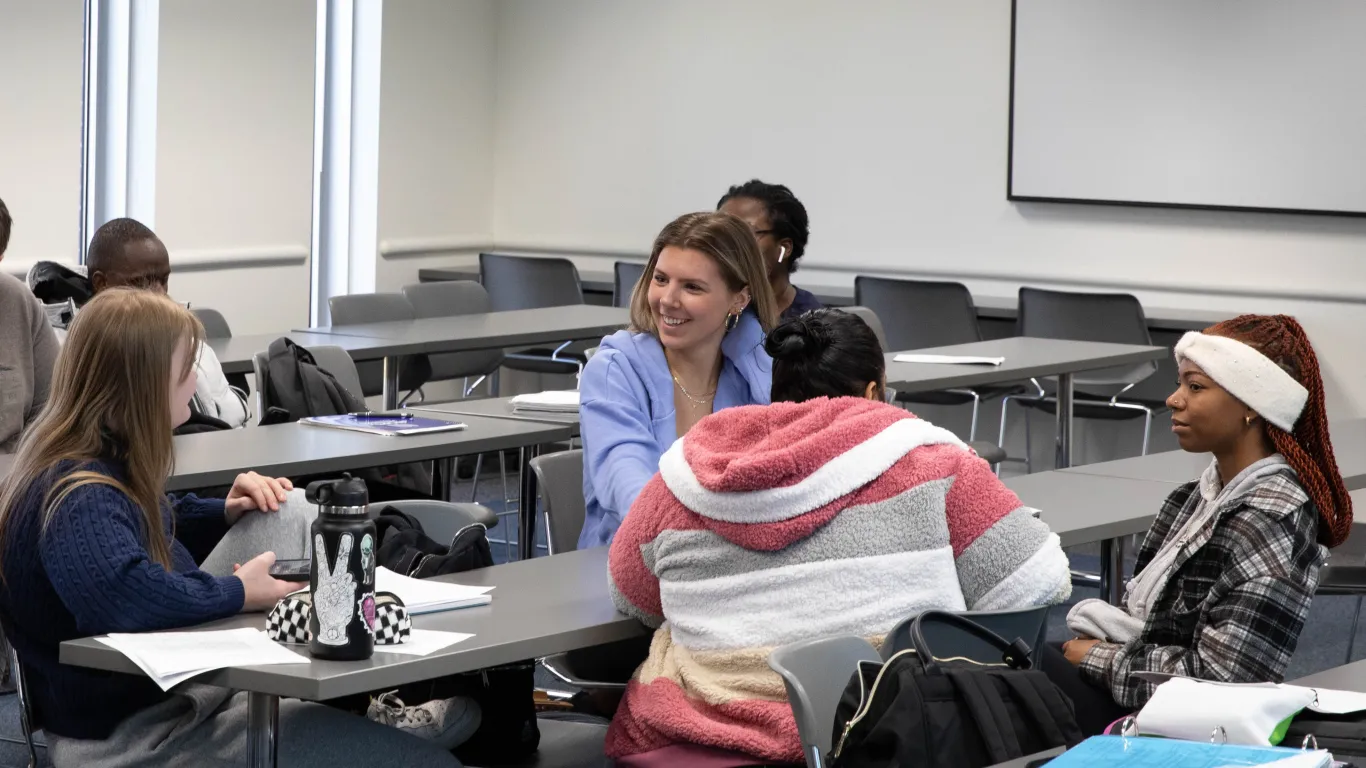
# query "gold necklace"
(697, 401)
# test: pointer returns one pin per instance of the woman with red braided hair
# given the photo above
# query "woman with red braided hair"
(1226, 573)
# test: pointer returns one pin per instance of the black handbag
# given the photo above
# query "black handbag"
(927, 707)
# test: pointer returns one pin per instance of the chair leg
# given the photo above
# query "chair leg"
(1147, 429)
(507, 537)
(474, 484)
(976, 405)
(25, 721)
(1352, 639)
(1029, 446)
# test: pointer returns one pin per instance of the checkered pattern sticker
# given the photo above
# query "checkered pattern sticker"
(288, 620)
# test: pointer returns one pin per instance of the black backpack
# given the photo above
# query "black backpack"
(404, 547)
(297, 387)
(926, 709)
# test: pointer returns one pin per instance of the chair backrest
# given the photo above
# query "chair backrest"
(448, 298)
(361, 308)
(917, 314)
(334, 360)
(529, 282)
(870, 317)
(560, 476)
(815, 673)
(338, 362)
(1028, 624)
(215, 325)
(1112, 317)
(627, 275)
(441, 520)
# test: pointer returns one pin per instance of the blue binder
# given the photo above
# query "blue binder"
(1142, 752)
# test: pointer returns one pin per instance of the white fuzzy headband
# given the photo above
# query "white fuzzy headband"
(1248, 375)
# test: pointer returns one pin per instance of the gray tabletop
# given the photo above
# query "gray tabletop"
(1349, 447)
(1087, 508)
(236, 352)
(1025, 357)
(541, 606)
(463, 333)
(216, 458)
(500, 408)
(592, 280)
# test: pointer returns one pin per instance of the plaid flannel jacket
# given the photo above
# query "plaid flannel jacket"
(1237, 598)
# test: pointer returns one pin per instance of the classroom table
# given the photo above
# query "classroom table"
(1084, 508)
(235, 353)
(499, 408)
(1025, 357)
(467, 333)
(1349, 448)
(592, 280)
(542, 606)
(216, 458)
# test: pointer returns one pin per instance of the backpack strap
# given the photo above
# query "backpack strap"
(988, 713)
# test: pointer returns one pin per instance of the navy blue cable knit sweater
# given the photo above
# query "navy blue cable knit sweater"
(90, 574)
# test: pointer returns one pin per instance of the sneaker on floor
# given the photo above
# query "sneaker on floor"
(447, 723)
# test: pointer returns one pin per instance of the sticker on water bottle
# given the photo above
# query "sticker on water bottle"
(367, 559)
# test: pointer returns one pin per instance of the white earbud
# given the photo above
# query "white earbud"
(782, 251)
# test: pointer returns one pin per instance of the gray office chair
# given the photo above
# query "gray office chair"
(990, 452)
(627, 274)
(1110, 317)
(532, 282)
(1345, 574)
(334, 360)
(361, 308)
(560, 478)
(449, 298)
(918, 314)
(815, 673)
(216, 327)
(1027, 624)
(441, 520)
(31, 739)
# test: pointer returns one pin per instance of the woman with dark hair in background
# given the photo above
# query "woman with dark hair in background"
(779, 222)
(826, 513)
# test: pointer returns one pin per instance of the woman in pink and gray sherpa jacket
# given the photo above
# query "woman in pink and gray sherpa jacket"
(826, 513)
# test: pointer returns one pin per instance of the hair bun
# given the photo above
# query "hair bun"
(796, 340)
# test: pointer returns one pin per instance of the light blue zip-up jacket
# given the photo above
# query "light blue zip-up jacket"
(626, 407)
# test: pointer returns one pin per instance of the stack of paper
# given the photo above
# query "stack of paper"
(548, 402)
(908, 357)
(429, 596)
(170, 658)
(1141, 752)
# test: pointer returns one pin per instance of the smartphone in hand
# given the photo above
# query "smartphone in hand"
(292, 570)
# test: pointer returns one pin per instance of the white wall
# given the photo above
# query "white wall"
(235, 156)
(888, 119)
(40, 133)
(436, 134)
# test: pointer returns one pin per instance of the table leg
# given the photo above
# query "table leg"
(263, 729)
(443, 476)
(1112, 571)
(390, 392)
(526, 504)
(1063, 458)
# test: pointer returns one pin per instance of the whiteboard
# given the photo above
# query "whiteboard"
(1196, 103)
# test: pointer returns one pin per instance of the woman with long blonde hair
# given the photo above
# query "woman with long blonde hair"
(88, 546)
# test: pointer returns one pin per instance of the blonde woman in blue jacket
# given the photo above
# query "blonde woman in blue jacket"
(699, 316)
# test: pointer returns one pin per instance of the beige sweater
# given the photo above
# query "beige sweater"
(28, 351)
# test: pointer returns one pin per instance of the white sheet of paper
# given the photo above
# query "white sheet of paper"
(1315, 759)
(908, 357)
(169, 658)
(557, 401)
(428, 596)
(424, 641)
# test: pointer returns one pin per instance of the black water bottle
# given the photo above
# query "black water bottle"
(342, 626)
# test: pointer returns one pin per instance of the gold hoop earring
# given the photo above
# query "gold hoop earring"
(1247, 421)
(732, 320)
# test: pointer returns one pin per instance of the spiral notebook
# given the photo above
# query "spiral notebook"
(383, 423)
(1141, 752)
